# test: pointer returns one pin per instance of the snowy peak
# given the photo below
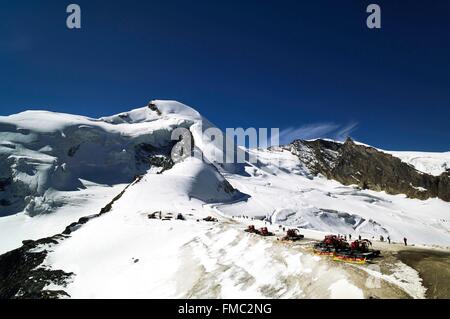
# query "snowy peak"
(156, 110)
(45, 151)
(51, 122)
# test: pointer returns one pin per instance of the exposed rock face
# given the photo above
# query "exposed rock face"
(22, 275)
(350, 163)
(148, 156)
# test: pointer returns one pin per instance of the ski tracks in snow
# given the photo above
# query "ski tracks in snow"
(226, 262)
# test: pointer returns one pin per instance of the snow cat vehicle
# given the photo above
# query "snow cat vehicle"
(293, 235)
(262, 232)
(360, 251)
(251, 229)
(331, 245)
(155, 215)
(265, 232)
(210, 219)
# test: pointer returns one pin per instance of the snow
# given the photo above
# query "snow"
(76, 204)
(290, 196)
(51, 122)
(403, 276)
(342, 289)
(167, 109)
(421, 189)
(124, 254)
(426, 162)
(204, 182)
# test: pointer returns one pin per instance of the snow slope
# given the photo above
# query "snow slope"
(124, 254)
(73, 205)
(282, 190)
(431, 163)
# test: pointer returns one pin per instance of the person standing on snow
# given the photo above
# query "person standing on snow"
(406, 241)
(389, 239)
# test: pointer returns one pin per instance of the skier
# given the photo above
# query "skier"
(406, 241)
(389, 239)
(349, 236)
(359, 237)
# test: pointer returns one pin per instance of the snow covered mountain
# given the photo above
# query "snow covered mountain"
(129, 219)
(42, 152)
(430, 163)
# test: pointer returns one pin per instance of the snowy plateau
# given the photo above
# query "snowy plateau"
(96, 208)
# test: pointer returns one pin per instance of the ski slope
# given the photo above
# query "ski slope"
(124, 254)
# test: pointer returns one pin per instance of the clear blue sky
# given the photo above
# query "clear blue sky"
(286, 64)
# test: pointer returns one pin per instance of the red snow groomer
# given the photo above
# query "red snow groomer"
(331, 245)
(360, 251)
(292, 235)
(251, 229)
(262, 231)
(265, 232)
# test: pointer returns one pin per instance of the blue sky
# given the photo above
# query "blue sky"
(311, 68)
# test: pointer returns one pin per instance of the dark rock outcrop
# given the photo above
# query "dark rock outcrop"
(369, 168)
(5, 182)
(152, 106)
(148, 156)
(22, 275)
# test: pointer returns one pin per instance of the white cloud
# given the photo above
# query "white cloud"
(317, 130)
(345, 131)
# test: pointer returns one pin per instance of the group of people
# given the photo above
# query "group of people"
(388, 238)
(405, 240)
